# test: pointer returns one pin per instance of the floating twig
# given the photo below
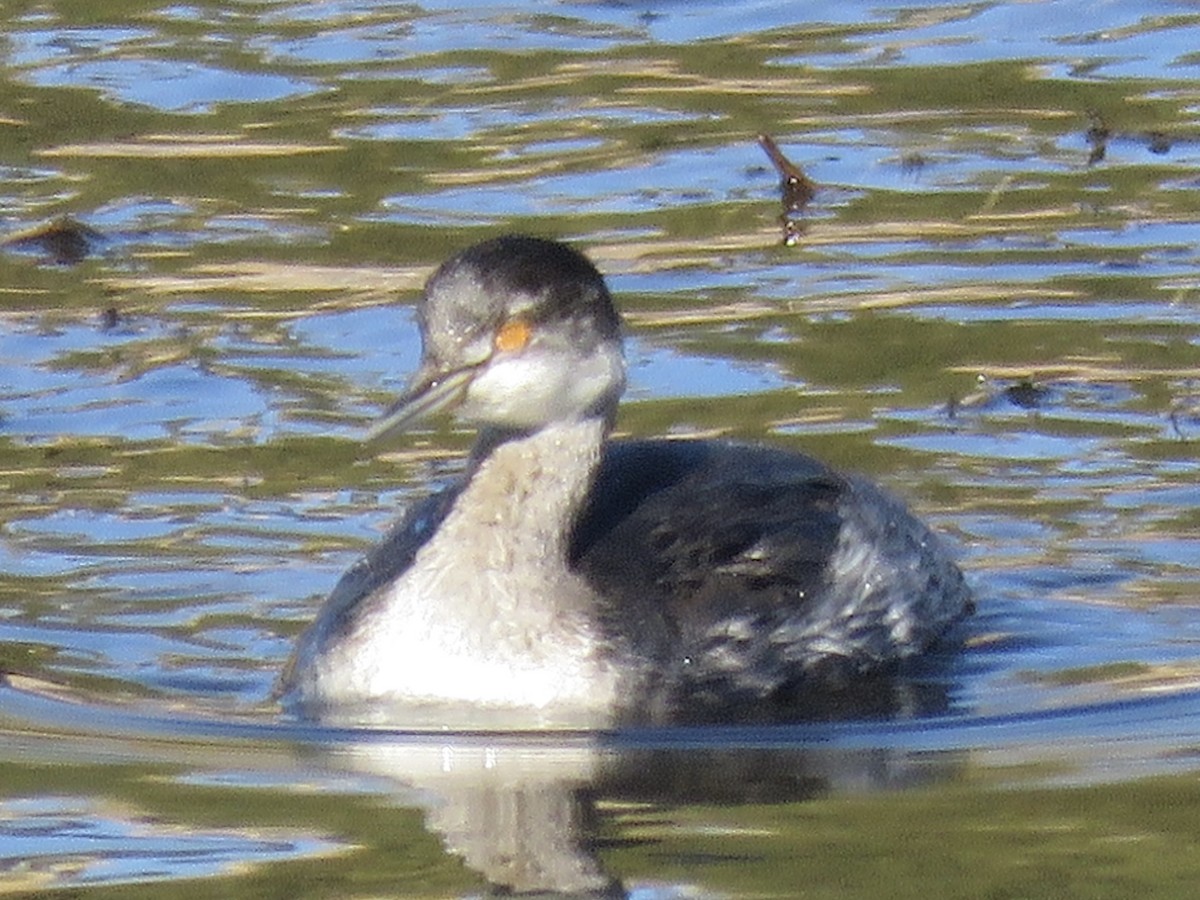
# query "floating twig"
(796, 190)
(65, 240)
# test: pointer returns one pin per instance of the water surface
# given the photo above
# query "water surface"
(991, 307)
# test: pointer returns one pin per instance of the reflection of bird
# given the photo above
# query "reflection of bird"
(571, 581)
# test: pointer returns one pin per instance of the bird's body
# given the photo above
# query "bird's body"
(566, 580)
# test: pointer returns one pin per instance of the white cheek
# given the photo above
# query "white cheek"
(532, 388)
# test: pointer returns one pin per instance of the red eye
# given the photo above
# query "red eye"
(513, 335)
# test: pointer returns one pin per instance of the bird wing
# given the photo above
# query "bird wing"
(710, 531)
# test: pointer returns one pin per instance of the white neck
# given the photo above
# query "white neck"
(489, 614)
(521, 497)
(496, 564)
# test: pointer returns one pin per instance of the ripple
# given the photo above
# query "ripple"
(52, 843)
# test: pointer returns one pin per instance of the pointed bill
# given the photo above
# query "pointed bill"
(428, 396)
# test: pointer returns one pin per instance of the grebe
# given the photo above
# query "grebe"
(569, 580)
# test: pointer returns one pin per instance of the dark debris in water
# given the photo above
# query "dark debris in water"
(1159, 143)
(912, 163)
(796, 190)
(1024, 393)
(1185, 416)
(1099, 134)
(65, 241)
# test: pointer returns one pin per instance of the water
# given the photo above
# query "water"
(982, 310)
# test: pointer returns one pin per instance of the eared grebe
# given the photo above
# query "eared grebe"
(570, 581)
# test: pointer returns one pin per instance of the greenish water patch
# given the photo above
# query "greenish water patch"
(181, 478)
(1092, 674)
(1102, 841)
